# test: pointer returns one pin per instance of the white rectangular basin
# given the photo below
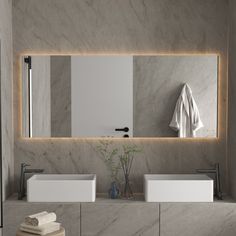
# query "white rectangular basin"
(61, 188)
(178, 188)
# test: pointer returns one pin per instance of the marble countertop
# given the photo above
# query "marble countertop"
(103, 199)
(100, 198)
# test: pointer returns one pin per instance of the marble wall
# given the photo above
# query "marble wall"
(6, 94)
(41, 105)
(232, 99)
(158, 82)
(128, 27)
(60, 96)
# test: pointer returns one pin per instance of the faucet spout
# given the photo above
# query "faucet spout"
(34, 171)
(206, 171)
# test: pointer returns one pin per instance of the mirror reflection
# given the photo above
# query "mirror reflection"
(119, 96)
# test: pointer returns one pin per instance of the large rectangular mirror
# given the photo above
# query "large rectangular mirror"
(119, 96)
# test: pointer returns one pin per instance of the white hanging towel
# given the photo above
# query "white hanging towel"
(186, 118)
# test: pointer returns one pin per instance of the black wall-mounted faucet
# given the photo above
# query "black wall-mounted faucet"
(216, 172)
(24, 170)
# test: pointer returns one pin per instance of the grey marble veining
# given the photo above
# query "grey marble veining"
(60, 96)
(119, 26)
(130, 217)
(67, 214)
(71, 156)
(158, 82)
(6, 95)
(120, 219)
(202, 219)
(123, 26)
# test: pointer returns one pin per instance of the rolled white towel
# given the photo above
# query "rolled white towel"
(40, 218)
(31, 218)
(41, 230)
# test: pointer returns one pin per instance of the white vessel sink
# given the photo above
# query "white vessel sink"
(61, 188)
(178, 188)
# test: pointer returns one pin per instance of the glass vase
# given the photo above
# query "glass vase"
(114, 191)
(127, 191)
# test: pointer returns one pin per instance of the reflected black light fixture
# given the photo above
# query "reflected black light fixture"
(28, 61)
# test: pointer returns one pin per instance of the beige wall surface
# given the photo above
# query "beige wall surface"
(127, 27)
(6, 94)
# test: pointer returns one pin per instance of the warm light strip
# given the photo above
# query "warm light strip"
(56, 53)
(31, 106)
(176, 139)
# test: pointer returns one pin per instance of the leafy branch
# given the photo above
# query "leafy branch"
(126, 161)
(108, 155)
(127, 157)
(116, 159)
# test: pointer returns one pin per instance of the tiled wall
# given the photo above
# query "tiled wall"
(118, 26)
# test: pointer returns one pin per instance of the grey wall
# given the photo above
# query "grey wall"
(41, 102)
(118, 26)
(6, 94)
(158, 82)
(60, 96)
(232, 99)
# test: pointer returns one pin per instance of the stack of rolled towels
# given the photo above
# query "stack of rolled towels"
(41, 223)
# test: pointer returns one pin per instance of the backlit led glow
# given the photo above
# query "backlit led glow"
(172, 139)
